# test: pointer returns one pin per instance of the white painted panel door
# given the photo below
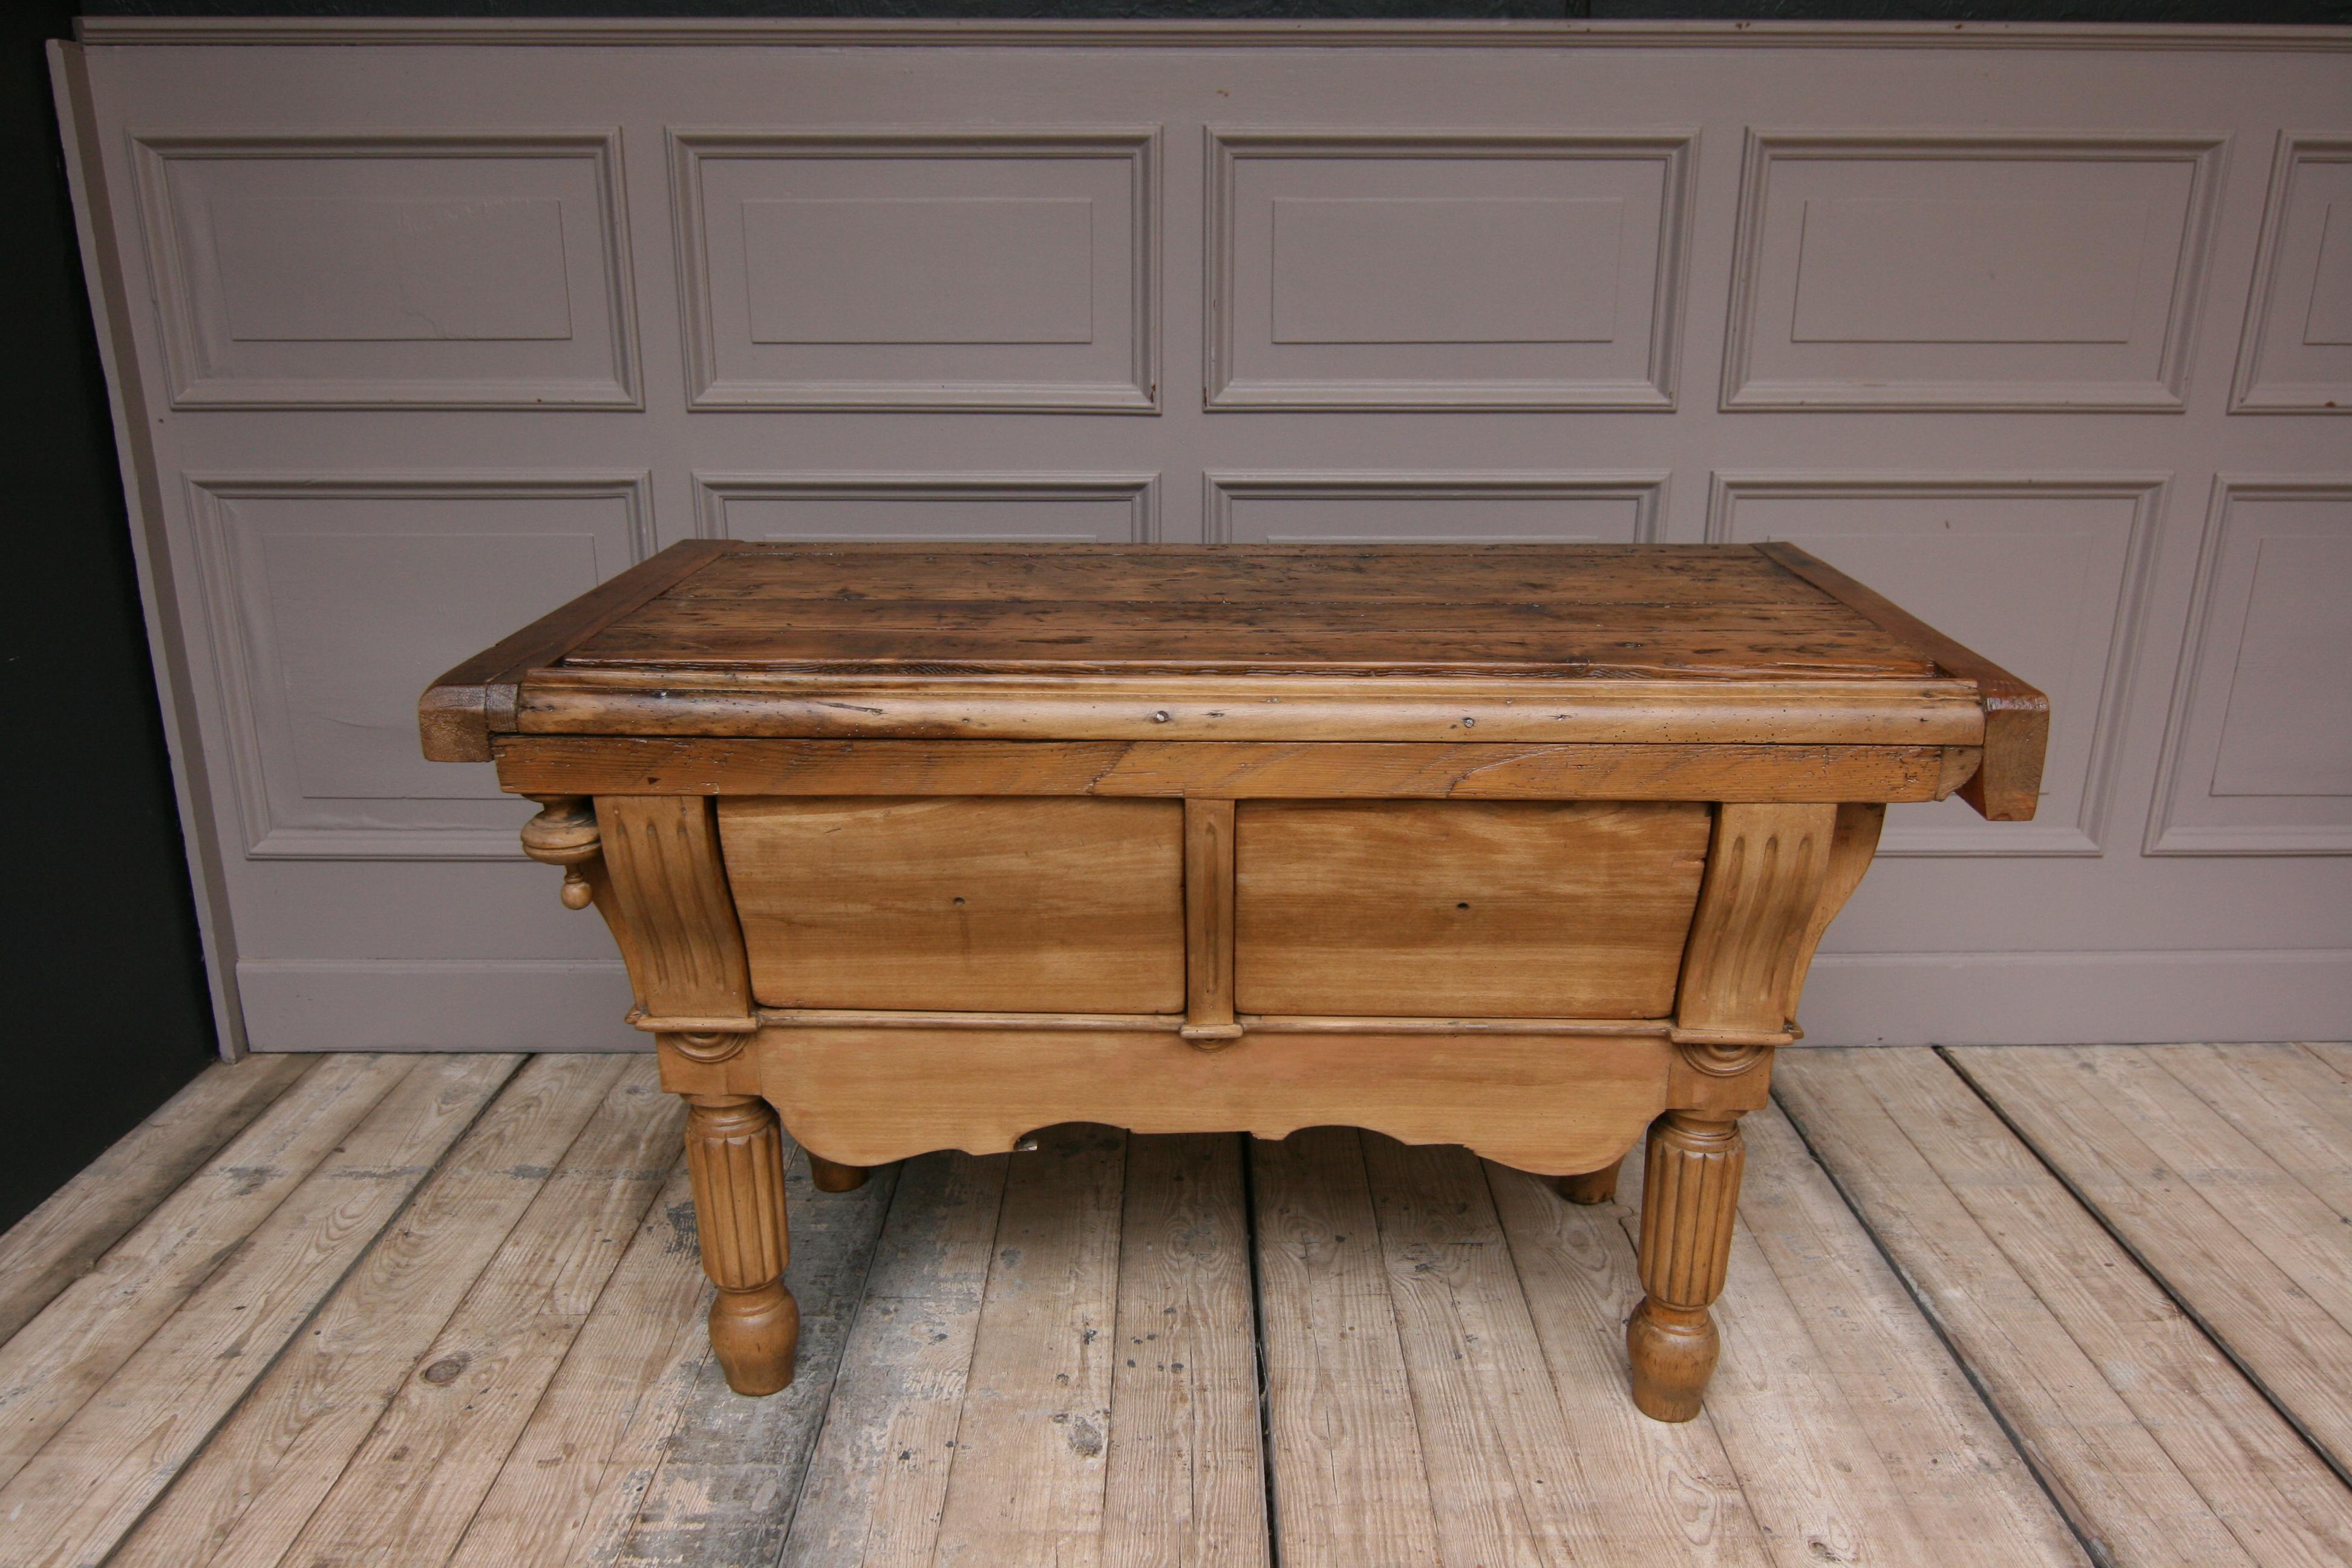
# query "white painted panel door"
(417, 336)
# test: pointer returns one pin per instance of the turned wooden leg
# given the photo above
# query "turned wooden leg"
(734, 1151)
(1690, 1192)
(830, 1177)
(1593, 1187)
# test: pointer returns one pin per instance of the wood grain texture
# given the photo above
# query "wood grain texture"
(1654, 1488)
(73, 1227)
(1494, 909)
(652, 765)
(414, 1485)
(1542, 1103)
(2210, 1238)
(1021, 905)
(1208, 923)
(1497, 1442)
(728, 1474)
(1077, 704)
(459, 710)
(1690, 1193)
(2152, 1443)
(1186, 1485)
(877, 1481)
(70, 1351)
(1346, 1460)
(85, 1489)
(1031, 1461)
(675, 922)
(2006, 786)
(258, 1478)
(1750, 940)
(735, 1154)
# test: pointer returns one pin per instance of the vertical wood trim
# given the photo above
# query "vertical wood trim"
(1765, 873)
(112, 313)
(1209, 924)
(676, 927)
(1852, 842)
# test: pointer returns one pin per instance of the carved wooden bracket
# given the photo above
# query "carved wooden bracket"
(565, 833)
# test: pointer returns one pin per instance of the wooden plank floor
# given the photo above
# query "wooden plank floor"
(2001, 1306)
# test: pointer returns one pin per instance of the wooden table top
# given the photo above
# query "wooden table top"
(1740, 644)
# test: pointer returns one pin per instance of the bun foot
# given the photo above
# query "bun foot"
(830, 1177)
(1672, 1351)
(1593, 1187)
(755, 1334)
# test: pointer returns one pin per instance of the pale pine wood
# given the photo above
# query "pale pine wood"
(1854, 840)
(2153, 1444)
(1208, 923)
(1349, 1478)
(85, 1489)
(52, 1366)
(669, 906)
(1186, 1485)
(1080, 707)
(1020, 905)
(570, 1488)
(878, 1479)
(1528, 909)
(2282, 1098)
(64, 1238)
(1690, 1195)
(728, 1471)
(1767, 869)
(1925, 1422)
(1654, 1488)
(1542, 1104)
(1807, 1458)
(1498, 1449)
(262, 1474)
(735, 1155)
(1031, 1459)
(642, 764)
(436, 1449)
(2116, 1158)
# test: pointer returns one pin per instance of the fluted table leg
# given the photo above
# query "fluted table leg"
(1690, 1193)
(734, 1151)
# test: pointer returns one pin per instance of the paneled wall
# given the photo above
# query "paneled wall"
(420, 329)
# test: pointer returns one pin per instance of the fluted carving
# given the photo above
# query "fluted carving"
(683, 943)
(1690, 1197)
(1764, 876)
(735, 1154)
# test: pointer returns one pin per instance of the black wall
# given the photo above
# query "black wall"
(104, 990)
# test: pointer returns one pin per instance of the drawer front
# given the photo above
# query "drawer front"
(1459, 909)
(1027, 905)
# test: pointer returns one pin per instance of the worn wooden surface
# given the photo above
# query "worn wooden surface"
(1658, 645)
(1521, 909)
(452, 1318)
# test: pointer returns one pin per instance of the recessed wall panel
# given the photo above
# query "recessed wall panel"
(1339, 508)
(2257, 754)
(383, 271)
(1967, 272)
(955, 269)
(2297, 353)
(2041, 575)
(1401, 272)
(1108, 508)
(333, 600)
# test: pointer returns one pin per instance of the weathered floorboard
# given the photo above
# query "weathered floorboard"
(63, 1238)
(2153, 1444)
(248, 1493)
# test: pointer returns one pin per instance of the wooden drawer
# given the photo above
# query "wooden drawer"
(1458, 909)
(1017, 905)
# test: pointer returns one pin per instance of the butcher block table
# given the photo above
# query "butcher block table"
(1527, 848)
